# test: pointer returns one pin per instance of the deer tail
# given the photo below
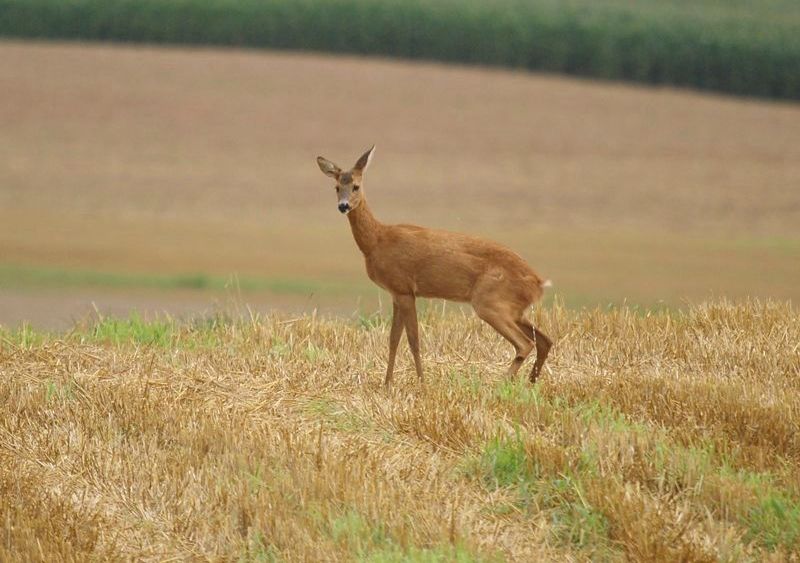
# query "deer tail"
(537, 288)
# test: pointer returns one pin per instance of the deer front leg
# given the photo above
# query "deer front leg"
(408, 306)
(394, 340)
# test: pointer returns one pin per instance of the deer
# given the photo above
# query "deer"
(410, 261)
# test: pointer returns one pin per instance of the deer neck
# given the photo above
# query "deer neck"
(365, 227)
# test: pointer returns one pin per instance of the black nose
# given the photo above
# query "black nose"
(343, 207)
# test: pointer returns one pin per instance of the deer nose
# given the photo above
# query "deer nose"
(344, 207)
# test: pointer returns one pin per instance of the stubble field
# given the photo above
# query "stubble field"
(666, 437)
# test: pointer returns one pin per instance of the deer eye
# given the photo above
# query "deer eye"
(355, 188)
(337, 188)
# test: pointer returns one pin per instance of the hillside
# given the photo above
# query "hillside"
(138, 177)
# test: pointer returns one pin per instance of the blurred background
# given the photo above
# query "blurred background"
(159, 156)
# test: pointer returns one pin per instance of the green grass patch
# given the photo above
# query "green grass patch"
(371, 321)
(200, 334)
(314, 353)
(682, 467)
(23, 336)
(573, 520)
(371, 542)
(519, 391)
(134, 330)
(12, 276)
(769, 514)
(469, 381)
(360, 536)
(279, 348)
(605, 416)
(258, 550)
(255, 479)
(504, 463)
(774, 521)
(56, 391)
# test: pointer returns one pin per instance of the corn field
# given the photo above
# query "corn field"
(730, 47)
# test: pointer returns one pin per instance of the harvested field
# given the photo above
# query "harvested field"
(140, 161)
(671, 436)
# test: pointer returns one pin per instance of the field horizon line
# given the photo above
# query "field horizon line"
(39, 277)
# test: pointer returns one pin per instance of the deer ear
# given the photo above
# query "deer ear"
(363, 162)
(328, 167)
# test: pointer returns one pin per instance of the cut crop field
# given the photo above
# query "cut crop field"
(670, 436)
(173, 170)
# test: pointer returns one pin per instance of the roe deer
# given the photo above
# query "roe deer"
(410, 262)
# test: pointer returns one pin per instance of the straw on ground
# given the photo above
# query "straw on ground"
(661, 436)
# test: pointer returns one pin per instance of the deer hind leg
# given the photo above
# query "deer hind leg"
(394, 340)
(504, 324)
(408, 308)
(543, 344)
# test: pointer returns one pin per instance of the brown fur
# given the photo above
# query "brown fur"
(410, 262)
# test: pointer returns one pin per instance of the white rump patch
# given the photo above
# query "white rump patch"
(547, 283)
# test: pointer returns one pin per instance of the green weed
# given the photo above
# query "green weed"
(370, 542)
(59, 391)
(504, 463)
(314, 353)
(134, 329)
(258, 551)
(469, 380)
(775, 522)
(279, 347)
(519, 391)
(24, 336)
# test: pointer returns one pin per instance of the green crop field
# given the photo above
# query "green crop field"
(730, 46)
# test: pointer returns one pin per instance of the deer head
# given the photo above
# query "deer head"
(349, 185)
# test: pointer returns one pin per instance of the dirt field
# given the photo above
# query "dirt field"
(138, 159)
(670, 437)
